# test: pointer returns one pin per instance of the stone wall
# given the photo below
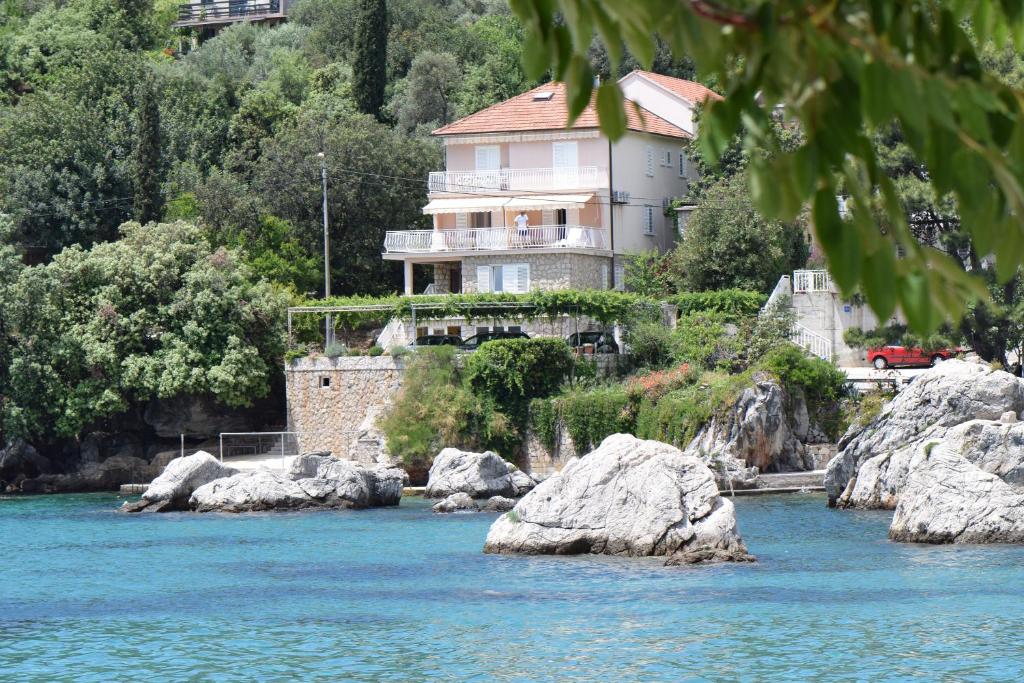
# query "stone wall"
(542, 462)
(548, 272)
(333, 402)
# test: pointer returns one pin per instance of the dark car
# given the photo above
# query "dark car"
(438, 340)
(474, 342)
(604, 342)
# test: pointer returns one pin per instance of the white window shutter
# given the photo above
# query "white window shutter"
(682, 165)
(522, 272)
(620, 277)
(564, 155)
(488, 157)
(649, 220)
(604, 276)
(547, 217)
(483, 278)
(462, 221)
(650, 160)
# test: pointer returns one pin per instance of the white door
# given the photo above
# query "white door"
(488, 167)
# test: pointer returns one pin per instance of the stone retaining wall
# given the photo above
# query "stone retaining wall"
(334, 402)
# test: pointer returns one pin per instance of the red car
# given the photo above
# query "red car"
(885, 356)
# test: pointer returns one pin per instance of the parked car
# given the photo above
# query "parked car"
(604, 342)
(890, 356)
(474, 342)
(437, 340)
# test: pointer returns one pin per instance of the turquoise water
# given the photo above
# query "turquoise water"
(404, 595)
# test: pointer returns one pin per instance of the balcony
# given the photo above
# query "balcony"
(518, 179)
(495, 239)
(229, 11)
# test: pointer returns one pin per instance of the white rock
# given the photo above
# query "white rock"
(457, 502)
(261, 489)
(950, 394)
(182, 476)
(481, 475)
(947, 499)
(628, 497)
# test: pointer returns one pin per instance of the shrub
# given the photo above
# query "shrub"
(543, 418)
(334, 349)
(591, 416)
(677, 416)
(654, 385)
(375, 351)
(701, 339)
(821, 383)
(436, 408)
(512, 371)
(733, 304)
(398, 351)
(650, 344)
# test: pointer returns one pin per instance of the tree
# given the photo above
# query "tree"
(843, 70)
(375, 184)
(146, 168)
(371, 50)
(428, 91)
(156, 314)
(728, 244)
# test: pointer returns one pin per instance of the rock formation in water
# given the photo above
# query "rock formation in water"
(628, 497)
(479, 475)
(462, 502)
(172, 489)
(315, 480)
(949, 499)
(957, 400)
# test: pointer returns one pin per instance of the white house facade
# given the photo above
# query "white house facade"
(528, 203)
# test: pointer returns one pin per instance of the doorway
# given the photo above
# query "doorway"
(455, 278)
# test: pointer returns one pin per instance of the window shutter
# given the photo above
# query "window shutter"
(620, 277)
(604, 276)
(547, 217)
(564, 155)
(649, 220)
(483, 278)
(682, 165)
(522, 272)
(488, 157)
(462, 221)
(650, 160)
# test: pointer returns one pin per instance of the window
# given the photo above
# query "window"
(488, 157)
(325, 382)
(666, 158)
(620, 277)
(513, 278)
(650, 161)
(480, 219)
(648, 220)
(564, 155)
(683, 165)
(604, 276)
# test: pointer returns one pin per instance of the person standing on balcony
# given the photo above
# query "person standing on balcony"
(523, 226)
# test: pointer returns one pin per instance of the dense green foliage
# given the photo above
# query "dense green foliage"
(512, 371)
(156, 314)
(728, 244)
(369, 75)
(436, 408)
(145, 162)
(733, 304)
(844, 71)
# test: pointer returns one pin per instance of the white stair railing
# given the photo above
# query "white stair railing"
(812, 281)
(812, 342)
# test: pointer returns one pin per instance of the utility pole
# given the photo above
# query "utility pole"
(329, 328)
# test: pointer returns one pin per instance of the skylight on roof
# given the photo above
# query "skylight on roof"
(543, 95)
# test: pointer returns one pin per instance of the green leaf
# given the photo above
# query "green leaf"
(610, 109)
(877, 280)
(915, 303)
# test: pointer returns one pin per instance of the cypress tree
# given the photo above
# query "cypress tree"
(145, 162)
(370, 64)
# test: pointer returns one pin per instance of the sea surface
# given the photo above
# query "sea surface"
(87, 594)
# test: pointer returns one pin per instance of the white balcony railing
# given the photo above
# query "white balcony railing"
(812, 281)
(494, 239)
(536, 179)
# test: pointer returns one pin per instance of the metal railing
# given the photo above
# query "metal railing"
(222, 11)
(541, 179)
(495, 239)
(277, 447)
(812, 281)
(811, 341)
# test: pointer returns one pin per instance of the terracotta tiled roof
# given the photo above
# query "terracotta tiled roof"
(524, 113)
(694, 92)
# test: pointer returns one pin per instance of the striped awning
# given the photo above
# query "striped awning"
(523, 203)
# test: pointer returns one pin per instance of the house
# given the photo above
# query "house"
(587, 200)
(208, 17)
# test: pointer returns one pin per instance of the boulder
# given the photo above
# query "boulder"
(19, 461)
(948, 499)
(481, 475)
(315, 480)
(950, 394)
(498, 504)
(628, 497)
(172, 489)
(457, 502)
(521, 481)
(763, 431)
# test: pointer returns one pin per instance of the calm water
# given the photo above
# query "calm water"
(401, 594)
